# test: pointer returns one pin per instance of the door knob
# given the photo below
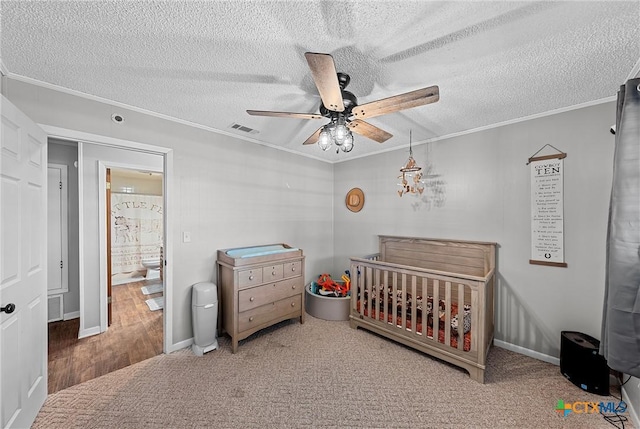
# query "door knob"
(9, 308)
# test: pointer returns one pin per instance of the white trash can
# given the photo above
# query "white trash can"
(204, 315)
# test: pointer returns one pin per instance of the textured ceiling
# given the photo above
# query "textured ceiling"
(207, 62)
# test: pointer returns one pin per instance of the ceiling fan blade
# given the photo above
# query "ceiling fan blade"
(284, 114)
(313, 138)
(416, 98)
(325, 76)
(370, 131)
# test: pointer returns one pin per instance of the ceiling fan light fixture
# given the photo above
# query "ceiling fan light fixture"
(340, 131)
(347, 145)
(324, 140)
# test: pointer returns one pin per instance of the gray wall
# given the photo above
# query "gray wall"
(488, 198)
(227, 192)
(67, 154)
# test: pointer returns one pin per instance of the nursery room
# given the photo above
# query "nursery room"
(366, 214)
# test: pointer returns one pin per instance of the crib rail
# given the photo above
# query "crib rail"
(372, 257)
(407, 294)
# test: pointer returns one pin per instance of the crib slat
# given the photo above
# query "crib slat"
(435, 313)
(475, 328)
(395, 298)
(353, 304)
(385, 288)
(360, 287)
(368, 274)
(414, 304)
(377, 284)
(460, 316)
(404, 301)
(447, 313)
(425, 295)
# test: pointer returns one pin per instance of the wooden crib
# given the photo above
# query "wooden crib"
(412, 282)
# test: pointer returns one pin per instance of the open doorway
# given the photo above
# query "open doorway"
(134, 240)
(79, 349)
(135, 235)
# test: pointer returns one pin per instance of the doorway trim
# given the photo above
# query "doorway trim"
(167, 154)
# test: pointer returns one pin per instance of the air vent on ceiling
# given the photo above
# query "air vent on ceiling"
(244, 129)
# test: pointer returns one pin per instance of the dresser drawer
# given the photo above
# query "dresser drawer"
(266, 313)
(272, 273)
(249, 277)
(292, 269)
(266, 294)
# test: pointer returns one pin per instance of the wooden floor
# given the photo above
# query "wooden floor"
(134, 335)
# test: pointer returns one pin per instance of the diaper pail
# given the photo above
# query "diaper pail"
(204, 314)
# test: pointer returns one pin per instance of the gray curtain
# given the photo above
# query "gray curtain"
(620, 343)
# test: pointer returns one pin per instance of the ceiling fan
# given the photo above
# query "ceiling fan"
(341, 107)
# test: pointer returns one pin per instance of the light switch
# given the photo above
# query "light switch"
(186, 237)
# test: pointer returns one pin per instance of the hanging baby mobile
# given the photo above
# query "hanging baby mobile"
(411, 177)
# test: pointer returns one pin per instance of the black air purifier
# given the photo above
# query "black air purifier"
(581, 363)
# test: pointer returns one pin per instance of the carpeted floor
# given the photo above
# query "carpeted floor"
(319, 374)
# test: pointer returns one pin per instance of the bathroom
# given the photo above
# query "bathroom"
(136, 207)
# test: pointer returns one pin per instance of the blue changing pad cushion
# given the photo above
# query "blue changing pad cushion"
(250, 252)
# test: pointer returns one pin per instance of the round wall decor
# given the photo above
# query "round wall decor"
(355, 199)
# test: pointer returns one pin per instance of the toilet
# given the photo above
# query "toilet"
(153, 268)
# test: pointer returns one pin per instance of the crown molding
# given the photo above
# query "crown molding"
(496, 125)
(118, 104)
(635, 70)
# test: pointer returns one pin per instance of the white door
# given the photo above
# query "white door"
(23, 268)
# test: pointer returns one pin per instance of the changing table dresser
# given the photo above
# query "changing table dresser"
(259, 286)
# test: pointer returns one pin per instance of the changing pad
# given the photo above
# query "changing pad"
(250, 252)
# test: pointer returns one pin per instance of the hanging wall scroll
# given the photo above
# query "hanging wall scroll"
(547, 216)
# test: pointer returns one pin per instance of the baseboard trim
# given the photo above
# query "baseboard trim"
(633, 413)
(527, 352)
(72, 315)
(181, 345)
(89, 332)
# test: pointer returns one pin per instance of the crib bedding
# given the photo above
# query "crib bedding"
(406, 303)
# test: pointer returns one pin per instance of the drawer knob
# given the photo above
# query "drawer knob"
(250, 277)
(293, 287)
(251, 319)
(293, 304)
(293, 268)
(251, 299)
(273, 273)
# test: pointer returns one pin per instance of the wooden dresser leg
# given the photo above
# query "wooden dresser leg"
(234, 345)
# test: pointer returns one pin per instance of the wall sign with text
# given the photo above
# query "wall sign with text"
(547, 215)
